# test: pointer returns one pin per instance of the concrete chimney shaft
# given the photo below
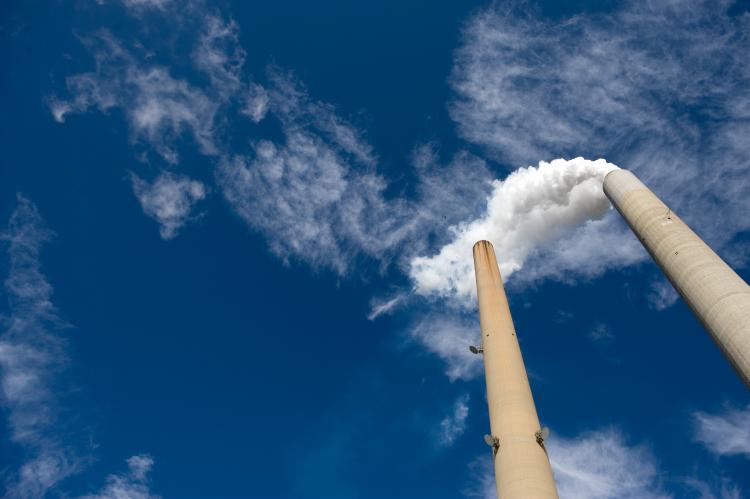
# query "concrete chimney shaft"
(522, 468)
(716, 294)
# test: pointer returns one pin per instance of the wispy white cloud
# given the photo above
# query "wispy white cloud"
(726, 433)
(659, 87)
(32, 357)
(481, 483)
(601, 333)
(661, 294)
(133, 484)
(725, 489)
(169, 200)
(453, 425)
(255, 102)
(562, 316)
(219, 55)
(159, 108)
(386, 306)
(594, 465)
(162, 110)
(448, 337)
(141, 4)
(33, 362)
(601, 465)
(315, 196)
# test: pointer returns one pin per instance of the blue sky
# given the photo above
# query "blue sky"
(232, 239)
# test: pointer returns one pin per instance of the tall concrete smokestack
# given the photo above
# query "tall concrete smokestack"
(716, 294)
(522, 468)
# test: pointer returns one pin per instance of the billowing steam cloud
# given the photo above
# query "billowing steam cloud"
(532, 206)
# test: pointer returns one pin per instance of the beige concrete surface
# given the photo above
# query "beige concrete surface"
(522, 469)
(716, 294)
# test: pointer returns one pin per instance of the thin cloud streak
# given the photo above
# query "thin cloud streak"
(454, 425)
(32, 357)
(661, 295)
(448, 337)
(601, 465)
(133, 484)
(724, 490)
(726, 433)
(386, 306)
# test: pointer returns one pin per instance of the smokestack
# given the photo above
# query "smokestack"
(716, 294)
(522, 467)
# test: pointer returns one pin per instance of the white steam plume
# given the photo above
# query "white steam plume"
(531, 207)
